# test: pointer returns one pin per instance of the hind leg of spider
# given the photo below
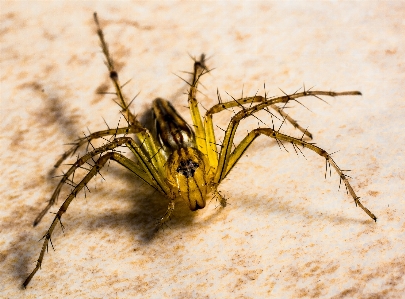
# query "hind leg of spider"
(130, 117)
(279, 137)
(93, 171)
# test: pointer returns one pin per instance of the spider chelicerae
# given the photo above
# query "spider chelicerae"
(175, 160)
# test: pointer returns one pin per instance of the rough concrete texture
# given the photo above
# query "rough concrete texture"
(287, 232)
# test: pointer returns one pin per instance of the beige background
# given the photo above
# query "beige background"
(287, 232)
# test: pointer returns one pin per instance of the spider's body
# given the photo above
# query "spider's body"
(187, 169)
(177, 161)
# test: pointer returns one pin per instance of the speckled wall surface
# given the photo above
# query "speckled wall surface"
(287, 232)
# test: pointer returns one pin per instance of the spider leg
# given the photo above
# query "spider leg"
(146, 171)
(247, 141)
(95, 135)
(292, 121)
(208, 122)
(148, 143)
(166, 216)
(226, 147)
(149, 149)
(199, 70)
(114, 76)
(209, 125)
(222, 200)
(94, 170)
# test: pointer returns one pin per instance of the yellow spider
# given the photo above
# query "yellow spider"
(177, 161)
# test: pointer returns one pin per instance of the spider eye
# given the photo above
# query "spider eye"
(187, 168)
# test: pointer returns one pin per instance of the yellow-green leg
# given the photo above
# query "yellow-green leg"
(144, 170)
(247, 141)
(148, 144)
(209, 128)
(226, 147)
(93, 171)
(199, 70)
(92, 136)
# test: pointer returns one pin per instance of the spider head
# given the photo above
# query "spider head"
(187, 172)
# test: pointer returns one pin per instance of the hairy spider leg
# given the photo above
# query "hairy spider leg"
(205, 139)
(209, 127)
(142, 169)
(228, 158)
(71, 151)
(95, 135)
(95, 169)
(199, 70)
(148, 144)
(292, 121)
(226, 147)
(247, 141)
(145, 175)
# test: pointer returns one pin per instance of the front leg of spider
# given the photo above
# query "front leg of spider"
(229, 158)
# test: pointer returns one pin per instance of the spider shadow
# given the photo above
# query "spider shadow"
(280, 206)
(55, 111)
(51, 112)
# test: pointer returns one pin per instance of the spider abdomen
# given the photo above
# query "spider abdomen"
(171, 129)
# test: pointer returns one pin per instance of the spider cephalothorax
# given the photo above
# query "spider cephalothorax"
(188, 174)
(177, 161)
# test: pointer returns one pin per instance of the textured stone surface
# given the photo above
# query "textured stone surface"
(287, 232)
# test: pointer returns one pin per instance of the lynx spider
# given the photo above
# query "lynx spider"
(179, 162)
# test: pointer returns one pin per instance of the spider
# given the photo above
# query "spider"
(177, 161)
